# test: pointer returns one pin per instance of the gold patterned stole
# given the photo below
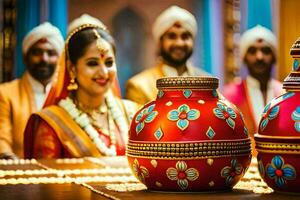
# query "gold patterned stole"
(70, 134)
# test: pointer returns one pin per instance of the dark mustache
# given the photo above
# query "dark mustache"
(180, 48)
(42, 64)
(260, 62)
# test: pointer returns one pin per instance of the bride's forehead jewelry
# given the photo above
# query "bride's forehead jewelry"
(100, 44)
(78, 29)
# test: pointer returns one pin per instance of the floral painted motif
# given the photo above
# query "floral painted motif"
(224, 112)
(183, 115)
(288, 95)
(230, 172)
(268, 115)
(280, 172)
(266, 108)
(147, 115)
(139, 171)
(182, 175)
(296, 118)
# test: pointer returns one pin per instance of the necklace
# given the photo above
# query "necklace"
(97, 117)
(84, 122)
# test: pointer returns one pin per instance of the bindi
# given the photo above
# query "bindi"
(260, 40)
(177, 25)
(43, 40)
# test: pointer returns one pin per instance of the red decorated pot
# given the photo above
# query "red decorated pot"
(278, 138)
(188, 139)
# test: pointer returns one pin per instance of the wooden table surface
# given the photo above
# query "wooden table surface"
(105, 178)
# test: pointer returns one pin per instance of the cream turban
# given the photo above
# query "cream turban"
(45, 30)
(252, 35)
(170, 16)
(84, 19)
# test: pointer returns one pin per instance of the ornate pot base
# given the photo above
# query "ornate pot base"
(198, 175)
(203, 192)
(278, 162)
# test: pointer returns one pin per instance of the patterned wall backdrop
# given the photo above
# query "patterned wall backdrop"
(232, 16)
(129, 33)
(8, 39)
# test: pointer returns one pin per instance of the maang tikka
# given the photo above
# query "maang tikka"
(73, 85)
(100, 43)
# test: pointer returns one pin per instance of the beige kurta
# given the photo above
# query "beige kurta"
(142, 87)
(16, 104)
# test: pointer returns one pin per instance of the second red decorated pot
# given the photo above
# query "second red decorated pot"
(188, 139)
(278, 137)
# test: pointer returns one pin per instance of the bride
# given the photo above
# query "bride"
(87, 119)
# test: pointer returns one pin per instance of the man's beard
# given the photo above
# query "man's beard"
(41, 71)
(260, 68)
(175, 62)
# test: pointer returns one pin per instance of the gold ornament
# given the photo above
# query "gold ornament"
(100, 44)
(72, 85)
(80, 28)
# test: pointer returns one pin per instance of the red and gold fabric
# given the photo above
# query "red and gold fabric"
(52, 133)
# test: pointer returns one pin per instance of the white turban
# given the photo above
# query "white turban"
(84, 19)
(169, 17)
(252, 35)
(47, 31)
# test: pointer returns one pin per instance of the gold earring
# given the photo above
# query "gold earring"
(72, 85)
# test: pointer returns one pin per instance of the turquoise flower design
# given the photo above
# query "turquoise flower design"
(182, 174)
(224, 112)
(183, 115)
(231, 172)
(147, 115)
(279, 171)
(288, 95)
(296, 118)
(267, 115)
(140, 172)
(266, 108)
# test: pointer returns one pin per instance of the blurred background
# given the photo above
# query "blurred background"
(220, 23)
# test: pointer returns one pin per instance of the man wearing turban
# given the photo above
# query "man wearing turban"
(251, 94)
(19, 98)
(174, 31)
